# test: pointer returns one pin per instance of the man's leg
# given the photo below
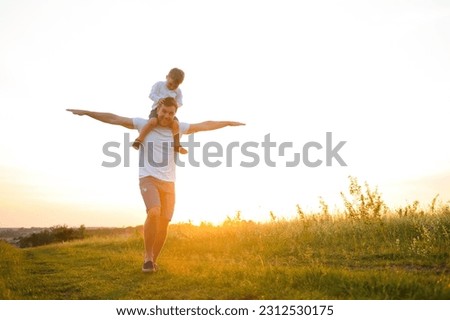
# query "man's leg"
(150, 232)
(159, 196)
(150, 195)
(161, 237)
(167, 197)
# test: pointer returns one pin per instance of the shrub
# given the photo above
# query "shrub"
(52, 235)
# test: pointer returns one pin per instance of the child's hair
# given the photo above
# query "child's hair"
(177, 75)
(168, 102)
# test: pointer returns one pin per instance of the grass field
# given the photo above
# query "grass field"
(314, 258)
(364, 253)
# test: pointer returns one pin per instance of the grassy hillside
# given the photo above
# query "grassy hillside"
(402, 255)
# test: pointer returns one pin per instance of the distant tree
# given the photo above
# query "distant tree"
(52, 235)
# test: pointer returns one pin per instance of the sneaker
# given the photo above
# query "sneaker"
(136, 144)
(148, 267)
(178, 148)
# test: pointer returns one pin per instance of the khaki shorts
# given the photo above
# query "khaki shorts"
(158, 193)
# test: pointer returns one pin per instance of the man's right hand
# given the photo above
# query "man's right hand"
(77, 111)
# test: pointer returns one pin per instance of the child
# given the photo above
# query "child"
(161, 90)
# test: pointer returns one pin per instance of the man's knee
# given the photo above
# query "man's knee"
(154, 212)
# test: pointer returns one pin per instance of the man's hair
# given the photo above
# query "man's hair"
(168, 102)
(177, 75)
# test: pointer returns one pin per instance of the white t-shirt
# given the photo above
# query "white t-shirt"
(156, 157)
(160, 90)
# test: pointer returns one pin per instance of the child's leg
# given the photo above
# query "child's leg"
(149, 126)
(176, 138)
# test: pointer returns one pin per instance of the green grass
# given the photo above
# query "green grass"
(313, 257)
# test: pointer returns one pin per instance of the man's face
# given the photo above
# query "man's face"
(171, 84)
(165, 115)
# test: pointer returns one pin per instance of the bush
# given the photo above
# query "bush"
(52, 235)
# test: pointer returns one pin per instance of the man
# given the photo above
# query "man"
(156, 169)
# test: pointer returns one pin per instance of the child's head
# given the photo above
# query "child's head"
(174, 78)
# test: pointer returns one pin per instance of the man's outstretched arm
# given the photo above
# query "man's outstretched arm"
(212, 125)
(105, 117)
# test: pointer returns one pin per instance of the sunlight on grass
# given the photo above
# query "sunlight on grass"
(367, 251)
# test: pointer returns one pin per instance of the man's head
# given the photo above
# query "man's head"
(174, 78)
(167, 108)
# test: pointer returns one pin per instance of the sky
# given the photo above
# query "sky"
(374, 74)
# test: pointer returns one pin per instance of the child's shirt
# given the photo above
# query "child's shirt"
(160, 90)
